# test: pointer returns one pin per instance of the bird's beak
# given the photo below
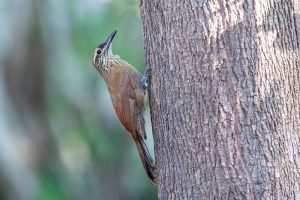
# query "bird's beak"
(109, 40)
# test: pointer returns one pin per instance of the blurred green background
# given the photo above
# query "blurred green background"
(59, 136)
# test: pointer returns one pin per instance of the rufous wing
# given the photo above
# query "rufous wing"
(125, 112)
(124, 101)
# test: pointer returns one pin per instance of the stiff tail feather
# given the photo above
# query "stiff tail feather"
(147, 161)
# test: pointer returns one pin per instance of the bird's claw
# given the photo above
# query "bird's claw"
(145, 79)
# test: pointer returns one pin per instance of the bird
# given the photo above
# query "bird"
(128, 90)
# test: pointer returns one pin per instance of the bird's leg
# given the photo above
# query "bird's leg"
(145, 79)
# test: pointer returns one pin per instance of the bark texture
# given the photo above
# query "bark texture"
(225, 97)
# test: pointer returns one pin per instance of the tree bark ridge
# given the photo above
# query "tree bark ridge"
(225, 90)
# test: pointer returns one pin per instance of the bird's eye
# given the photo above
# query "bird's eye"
(98, 51)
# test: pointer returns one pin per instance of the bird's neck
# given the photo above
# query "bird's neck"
(110, 65)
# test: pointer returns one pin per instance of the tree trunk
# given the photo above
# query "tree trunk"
(225, 97)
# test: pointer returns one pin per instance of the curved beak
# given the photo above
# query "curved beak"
(109, 40)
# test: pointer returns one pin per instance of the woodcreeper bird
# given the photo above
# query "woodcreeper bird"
(128, 92)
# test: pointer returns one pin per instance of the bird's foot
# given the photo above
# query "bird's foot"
(145, 79)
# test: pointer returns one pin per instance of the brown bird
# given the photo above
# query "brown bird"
(128, 92)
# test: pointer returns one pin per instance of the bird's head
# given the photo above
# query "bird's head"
(103, 53)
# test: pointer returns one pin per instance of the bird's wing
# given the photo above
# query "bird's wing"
(124, 103)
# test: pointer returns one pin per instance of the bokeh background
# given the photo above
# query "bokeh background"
(59, 136)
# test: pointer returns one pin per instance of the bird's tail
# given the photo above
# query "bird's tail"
(147, 161)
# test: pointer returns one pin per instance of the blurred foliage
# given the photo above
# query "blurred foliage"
(91, 156)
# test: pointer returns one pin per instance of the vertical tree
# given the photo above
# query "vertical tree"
(225, 97)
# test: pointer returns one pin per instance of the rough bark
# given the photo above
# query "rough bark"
(225, 97)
